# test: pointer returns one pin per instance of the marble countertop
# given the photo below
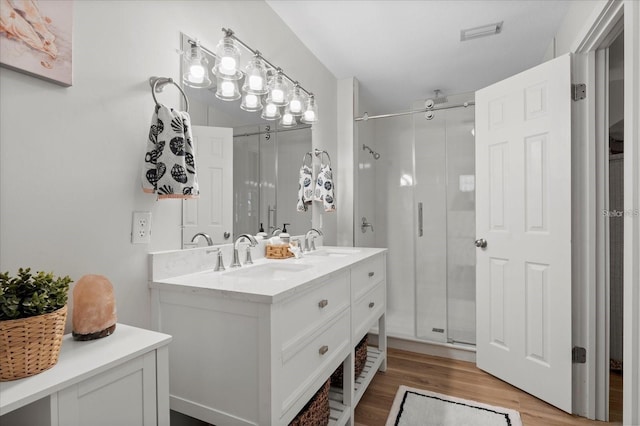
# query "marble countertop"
(270, 280)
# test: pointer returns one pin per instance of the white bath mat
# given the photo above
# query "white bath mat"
(417, 407)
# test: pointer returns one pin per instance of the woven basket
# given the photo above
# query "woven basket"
(360, 361)
(29, 346)
(317, 411)
(278, 251)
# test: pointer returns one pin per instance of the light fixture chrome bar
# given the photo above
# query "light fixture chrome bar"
(229, 33)
(366, 117)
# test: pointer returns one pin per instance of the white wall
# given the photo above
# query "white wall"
(70, 158)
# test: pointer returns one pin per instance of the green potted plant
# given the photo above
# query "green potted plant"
(33, 312)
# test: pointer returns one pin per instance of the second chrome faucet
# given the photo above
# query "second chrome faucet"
(252, 243)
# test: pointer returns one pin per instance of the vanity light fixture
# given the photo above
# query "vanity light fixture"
(195, 68)
(265, 87)
(271, 112)
(251, 103)
(227, 89)
(288, 118)
(310, 114)
(255, 81)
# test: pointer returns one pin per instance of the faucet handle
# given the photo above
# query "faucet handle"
(313, 242)
(219, 261)
(247, 259)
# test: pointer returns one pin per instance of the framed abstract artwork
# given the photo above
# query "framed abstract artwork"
(36, 38)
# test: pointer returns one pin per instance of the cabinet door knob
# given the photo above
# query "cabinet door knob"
(372, 304)
(323, 303)
(323, 349)
(371, 274)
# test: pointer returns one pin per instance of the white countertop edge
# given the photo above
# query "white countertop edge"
(300, 281)
(79, 361)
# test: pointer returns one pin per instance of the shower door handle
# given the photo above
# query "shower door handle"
(420, 227)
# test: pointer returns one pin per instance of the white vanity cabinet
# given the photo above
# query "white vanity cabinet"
(121, 379)
(253, 351)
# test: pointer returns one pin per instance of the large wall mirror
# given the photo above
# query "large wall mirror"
(259, 186)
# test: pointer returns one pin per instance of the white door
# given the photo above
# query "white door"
(212, 213)
(523, 275)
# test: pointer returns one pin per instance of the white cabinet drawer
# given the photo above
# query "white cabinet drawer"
(367, 310)
(305, 313)
(313, 358)
(366, 275)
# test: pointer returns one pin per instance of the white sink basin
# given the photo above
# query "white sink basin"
(269, 271)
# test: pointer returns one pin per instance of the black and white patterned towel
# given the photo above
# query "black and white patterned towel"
(324, 188)
(169, 168)
(305, 188)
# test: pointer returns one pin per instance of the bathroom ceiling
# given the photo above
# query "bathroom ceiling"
(401, 51)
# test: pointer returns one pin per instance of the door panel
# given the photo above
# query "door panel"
(212, 212)
(523, 276)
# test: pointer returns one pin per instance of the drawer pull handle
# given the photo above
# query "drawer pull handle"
(372, 304)
(323, 350)
(323, 303)
(371, 274)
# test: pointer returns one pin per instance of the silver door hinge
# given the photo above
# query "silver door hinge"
(578, 355)
(578, 91)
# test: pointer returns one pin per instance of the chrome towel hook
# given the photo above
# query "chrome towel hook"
(319, 153)
(157, 85)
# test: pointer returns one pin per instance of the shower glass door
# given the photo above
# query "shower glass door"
(444, 201)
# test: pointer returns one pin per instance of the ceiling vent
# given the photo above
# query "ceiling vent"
(483, 31)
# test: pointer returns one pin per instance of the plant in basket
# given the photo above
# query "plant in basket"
(33, 312)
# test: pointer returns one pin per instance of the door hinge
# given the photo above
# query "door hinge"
(578, 91)
(578, 355)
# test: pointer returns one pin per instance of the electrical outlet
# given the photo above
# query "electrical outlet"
(141, 228)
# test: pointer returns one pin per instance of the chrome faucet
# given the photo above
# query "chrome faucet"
(276, 231)
(252, 243)
(312, 246)
(206, 237)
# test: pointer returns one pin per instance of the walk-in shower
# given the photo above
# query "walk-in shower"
(422, 202)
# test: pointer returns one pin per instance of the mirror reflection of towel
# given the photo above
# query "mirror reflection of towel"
(305, 189)
(169, 168)
(324, 188)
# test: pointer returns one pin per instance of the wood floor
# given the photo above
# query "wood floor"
(460, 379)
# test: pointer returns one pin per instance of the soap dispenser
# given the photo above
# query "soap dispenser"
(261, 234)
(284, 235)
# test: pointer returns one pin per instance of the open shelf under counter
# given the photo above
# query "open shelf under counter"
(339, 412)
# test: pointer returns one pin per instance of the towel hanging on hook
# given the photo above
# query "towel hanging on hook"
(169, 167)
(305, 188)
(324, 183)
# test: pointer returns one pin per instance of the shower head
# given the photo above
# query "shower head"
(375, 155)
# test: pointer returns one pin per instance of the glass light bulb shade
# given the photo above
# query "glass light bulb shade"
(255, 81)
(271, 112)
(277, 88)
(227, 60)
(296, 101)
(310, 114)
(195, 67)
(288, 119)
(227, 90)
(251, 103)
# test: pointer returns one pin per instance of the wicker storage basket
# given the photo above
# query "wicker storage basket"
(360, 361)
(29, 346)
(317, 411)
(278, 251)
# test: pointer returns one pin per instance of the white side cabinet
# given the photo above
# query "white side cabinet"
(121, 379)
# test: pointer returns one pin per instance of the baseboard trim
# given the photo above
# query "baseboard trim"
(444, 350)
